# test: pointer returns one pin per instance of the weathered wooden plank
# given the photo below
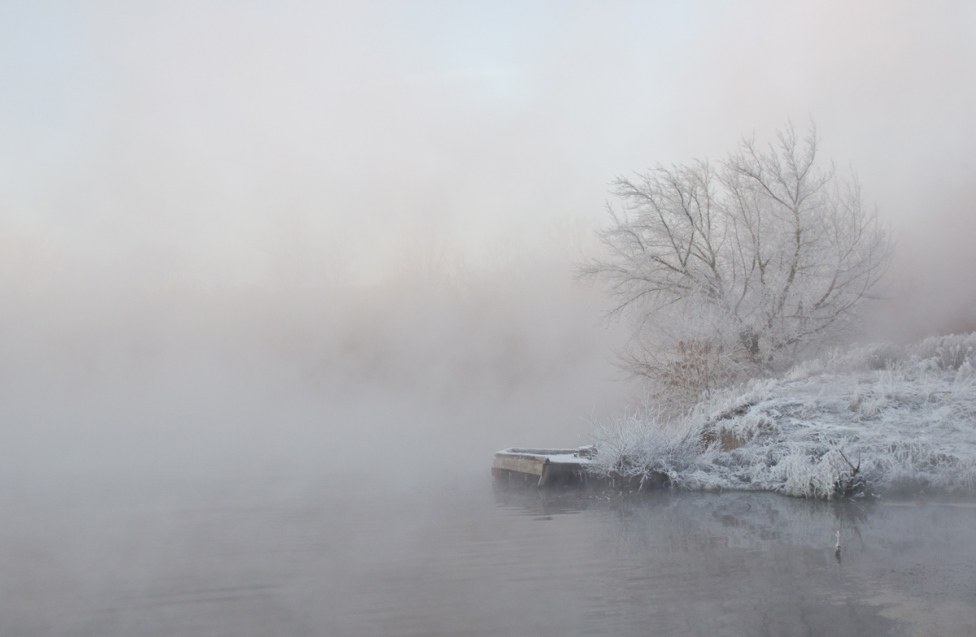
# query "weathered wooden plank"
(546, 466)
(538, 451)
(546, 473)
(520, 462)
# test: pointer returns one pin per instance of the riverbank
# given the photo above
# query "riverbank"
(874, 419)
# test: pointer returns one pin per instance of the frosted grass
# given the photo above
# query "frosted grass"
(904, 416)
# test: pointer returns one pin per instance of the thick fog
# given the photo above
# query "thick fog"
(277, 238)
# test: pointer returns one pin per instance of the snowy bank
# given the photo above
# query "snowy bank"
(879, 418)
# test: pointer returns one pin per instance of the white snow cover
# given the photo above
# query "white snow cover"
(906, 416)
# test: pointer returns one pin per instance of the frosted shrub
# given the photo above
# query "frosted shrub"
(697, 368)
(964, 375)
(947, 352)
(829, 427)
(638, 446)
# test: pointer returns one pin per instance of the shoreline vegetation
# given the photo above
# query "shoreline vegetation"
(878, 419)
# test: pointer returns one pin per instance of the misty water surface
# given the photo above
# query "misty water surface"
(248, 488)
(340, 556)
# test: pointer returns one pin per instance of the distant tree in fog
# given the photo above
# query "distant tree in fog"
(733, 270)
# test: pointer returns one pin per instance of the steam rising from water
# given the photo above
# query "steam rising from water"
(231, 231)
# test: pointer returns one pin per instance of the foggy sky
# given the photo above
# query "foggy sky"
(203, 140)
(397, 190)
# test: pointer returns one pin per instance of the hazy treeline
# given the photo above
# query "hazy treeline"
(121, 370)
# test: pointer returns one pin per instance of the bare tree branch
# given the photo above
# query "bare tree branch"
(761, 258)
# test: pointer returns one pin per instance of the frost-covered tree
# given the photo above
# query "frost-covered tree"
(734, 269)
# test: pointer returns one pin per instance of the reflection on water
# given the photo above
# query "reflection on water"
(471, 559)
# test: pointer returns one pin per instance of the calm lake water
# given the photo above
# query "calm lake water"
(464, 557)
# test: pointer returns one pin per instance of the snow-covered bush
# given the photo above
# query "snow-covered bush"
(640, 447)
(835, 425)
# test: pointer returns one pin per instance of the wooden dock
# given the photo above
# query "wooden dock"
(545, 467)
